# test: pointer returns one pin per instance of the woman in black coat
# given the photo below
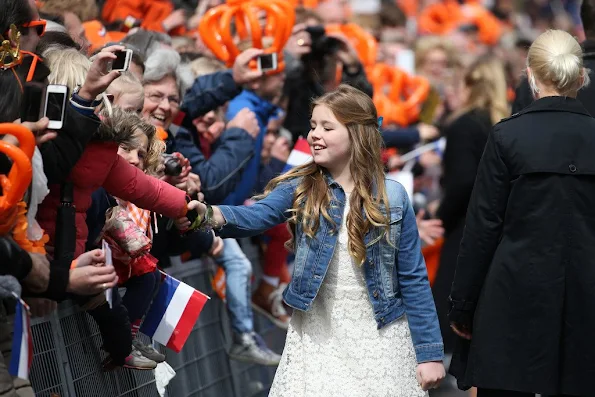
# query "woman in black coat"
(524, 290)
(483, 90)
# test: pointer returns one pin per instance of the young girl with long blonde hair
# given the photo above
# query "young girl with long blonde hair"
(364, 322)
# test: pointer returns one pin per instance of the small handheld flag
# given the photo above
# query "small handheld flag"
(173, 313)
(22, 342)
(299, 155)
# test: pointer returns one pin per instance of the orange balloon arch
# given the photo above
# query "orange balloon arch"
(13, 210)
(16, 183)
(253, 20)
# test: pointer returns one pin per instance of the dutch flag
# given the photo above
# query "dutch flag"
(22, 342)
(173, 313)
(299, 155)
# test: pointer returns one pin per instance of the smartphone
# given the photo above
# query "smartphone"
(122, 62)
(32, 102)
(405, 60)
(55, 105)
(267, 62)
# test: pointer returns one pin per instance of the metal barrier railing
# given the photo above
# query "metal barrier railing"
(67, 355)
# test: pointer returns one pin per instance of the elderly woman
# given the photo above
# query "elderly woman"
(165, 82)
(523, 290)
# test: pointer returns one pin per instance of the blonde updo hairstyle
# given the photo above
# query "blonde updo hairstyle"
(555, 60)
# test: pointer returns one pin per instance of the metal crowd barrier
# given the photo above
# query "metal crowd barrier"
(67, 355)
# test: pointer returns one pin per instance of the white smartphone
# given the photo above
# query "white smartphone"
(122, 62)
(405, 60)
(267, 62)
(55, 105)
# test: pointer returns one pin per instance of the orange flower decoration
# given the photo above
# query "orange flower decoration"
(253, 21)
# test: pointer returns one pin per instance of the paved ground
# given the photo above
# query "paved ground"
(448, 389)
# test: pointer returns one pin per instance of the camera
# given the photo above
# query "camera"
(321, 43)
(173, 165)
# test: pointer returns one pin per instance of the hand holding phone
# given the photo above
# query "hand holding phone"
(55, 105)
(267, 62)
(122, 61)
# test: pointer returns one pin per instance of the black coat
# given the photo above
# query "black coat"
(526, 266)
(466, 137)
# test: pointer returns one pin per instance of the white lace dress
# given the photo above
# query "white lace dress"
(336, 349)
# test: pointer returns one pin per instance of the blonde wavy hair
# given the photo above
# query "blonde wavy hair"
(131, 127)
(312, 197)
(486, 81)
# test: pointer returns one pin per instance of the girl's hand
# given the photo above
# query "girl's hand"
(183, 223)
(429, 375)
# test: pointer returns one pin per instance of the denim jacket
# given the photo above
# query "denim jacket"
(395, 274)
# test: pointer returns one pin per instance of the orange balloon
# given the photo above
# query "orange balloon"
(17, 183)
(398, 97)
(215, 28)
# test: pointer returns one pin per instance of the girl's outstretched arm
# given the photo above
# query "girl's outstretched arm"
(246, 221)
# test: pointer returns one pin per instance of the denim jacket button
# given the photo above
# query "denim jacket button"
(375, 294)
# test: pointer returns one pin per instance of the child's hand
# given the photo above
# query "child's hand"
(217, 247)
(429, 375)
(184, 223)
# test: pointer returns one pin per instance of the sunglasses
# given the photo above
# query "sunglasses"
(38, 25)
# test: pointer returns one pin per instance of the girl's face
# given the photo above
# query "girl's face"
(129, 102)
(136, 156)
(329, 140)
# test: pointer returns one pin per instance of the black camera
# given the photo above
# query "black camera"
(321, 43)
(173, 165)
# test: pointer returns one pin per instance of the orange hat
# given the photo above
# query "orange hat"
(215, 27)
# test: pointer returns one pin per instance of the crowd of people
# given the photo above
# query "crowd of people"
(188, 148)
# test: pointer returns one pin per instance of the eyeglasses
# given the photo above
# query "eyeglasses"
(38, 25)
(174, 101)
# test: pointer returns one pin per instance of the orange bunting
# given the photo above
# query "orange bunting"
(253, 21)
(398, 97)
